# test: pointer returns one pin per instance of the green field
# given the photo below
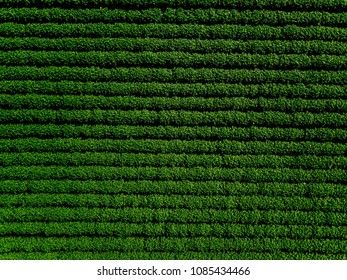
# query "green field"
(182, 129)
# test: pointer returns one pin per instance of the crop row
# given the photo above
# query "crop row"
(173, 146)
(328, 5)
(172, 230)
(157, 201)
(157, 15)
(171, 160)
(144, 187)
(173, 59)
(218, 31)
(176, 118)
(183, 216)
(169, 244)
(165, 45)
(65, 88)
(285, 175)
(188, 255)
(252, 133)
(40, 101)
(175, 75)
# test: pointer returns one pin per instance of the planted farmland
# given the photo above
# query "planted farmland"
(173, 59)
(167, 31)
(37, 101)
(270, 90)
(196, 129)
(181, 45)
(173, 75)
(156, 15)
(169, 146)
(178, 160)
(262, 4)
(20, 131)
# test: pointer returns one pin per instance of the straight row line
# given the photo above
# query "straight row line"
(185, 45)
(169, 15)
(167, 31)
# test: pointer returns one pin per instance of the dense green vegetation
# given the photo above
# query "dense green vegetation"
(184, 216)
(48, 131)
(171, 244)
(182, 129)
(176, 202)
(182, 45)
(174, 187)
(173, 173)
(179, 160)
(173, 59)
(217, 31)
(269, 90)
(85, 255)
(121, 229)
(78, 102)
(175, 118)
(329, 5)
(172, 75)
(156, 15)
(173, 146)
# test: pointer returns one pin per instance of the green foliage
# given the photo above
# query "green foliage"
(171, 244)
(183, 45)
(156, 201)
(166, 31)
(173, 59)
(110, 255)
(143, 187)
(330, 5)
(183, 216)
(175, 75)
(121, 229)
(175, 118)
(171, 160)
(79, 102)
(286, 175)
(181, 129)
(177, 146)
(78, 255)
(268, 90)
(169, 15)
(48, 131)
